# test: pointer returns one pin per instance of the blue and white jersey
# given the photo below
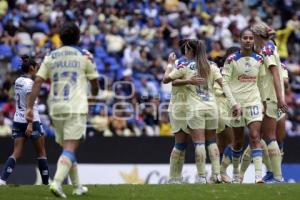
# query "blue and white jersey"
(23, 86)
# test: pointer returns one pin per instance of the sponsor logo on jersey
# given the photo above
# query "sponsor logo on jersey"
(246, 78)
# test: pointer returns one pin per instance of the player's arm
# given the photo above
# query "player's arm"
(270, 61)
(276, 80)
(91, 74)
(194, 80)
(29, 129)
(42, 74)
(224, 83)
(32, 97)
(170, 67)
(260, 82)
(94, 87)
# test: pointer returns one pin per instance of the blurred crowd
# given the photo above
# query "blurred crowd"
(130, 41)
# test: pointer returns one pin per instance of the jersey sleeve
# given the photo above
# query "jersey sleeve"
(91, 71)
(28, 87)
(44, 71)
(178, 72)
(269, 55)
(215, 72)
(228, 68)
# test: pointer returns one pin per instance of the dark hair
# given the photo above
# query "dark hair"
(27, 62)
(69, 34)
(221, 60)
(244, 30)
(199, 51)
(182, 44)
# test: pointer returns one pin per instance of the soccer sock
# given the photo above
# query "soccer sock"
(200, 158)
(227, 159)
(181, 162)
(74, 175)
(257, 161)
(236, 155)
(8, 168)
(44, 171)
(214, 157)
(245, 161)
(280, 145)
(63, 166)
(176, 161)
(266, 157)
(275, 157)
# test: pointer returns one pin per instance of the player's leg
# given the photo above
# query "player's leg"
(237, 150)
(225, 139)
(198, 139)
(214, 155)
(39, 144)
(280, 132)
(256, 149)
(196, 122)
(177, 157)
(269, 134)
(11, 161)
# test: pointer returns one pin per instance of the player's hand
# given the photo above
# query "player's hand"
(172, 57)
(29, 129)
(282, 105)
(29, 115)
(237, 110)
(196, 80)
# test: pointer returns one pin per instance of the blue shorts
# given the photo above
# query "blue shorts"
(18, 130)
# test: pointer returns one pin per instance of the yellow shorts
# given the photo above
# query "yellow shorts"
(203, 119)
(273, 111)
(69, 127)
(249, 114)
(178, 122)
(224, 119)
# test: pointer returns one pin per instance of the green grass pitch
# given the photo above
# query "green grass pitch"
(161, 192)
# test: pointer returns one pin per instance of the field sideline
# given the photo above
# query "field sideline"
(160, 192)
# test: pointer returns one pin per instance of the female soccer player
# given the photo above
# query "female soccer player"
(177, 115)
(280, 135)
(243, 72)
(273, 93)
(224, 131)
(23, 130)
(202, 113)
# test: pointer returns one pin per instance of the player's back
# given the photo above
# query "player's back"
(22, 88)
(69, 69)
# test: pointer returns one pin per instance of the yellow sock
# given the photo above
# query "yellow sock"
(245, 161)
(200, 158)
(63, 166)
(74, 175)
(175, 164)
(257, 161)
(214, 156)
(266, 158)
(226, 160)
(181, 162)
(275, 157)
(236, 156)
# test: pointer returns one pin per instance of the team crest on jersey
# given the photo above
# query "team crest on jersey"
(248, 67)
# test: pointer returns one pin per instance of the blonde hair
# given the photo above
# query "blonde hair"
(263, 30)
(199, 50)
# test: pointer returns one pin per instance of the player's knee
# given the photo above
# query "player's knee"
(254, 138)
(238, 144)
(180, 146)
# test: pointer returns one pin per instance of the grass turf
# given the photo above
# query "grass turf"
(160, 192)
